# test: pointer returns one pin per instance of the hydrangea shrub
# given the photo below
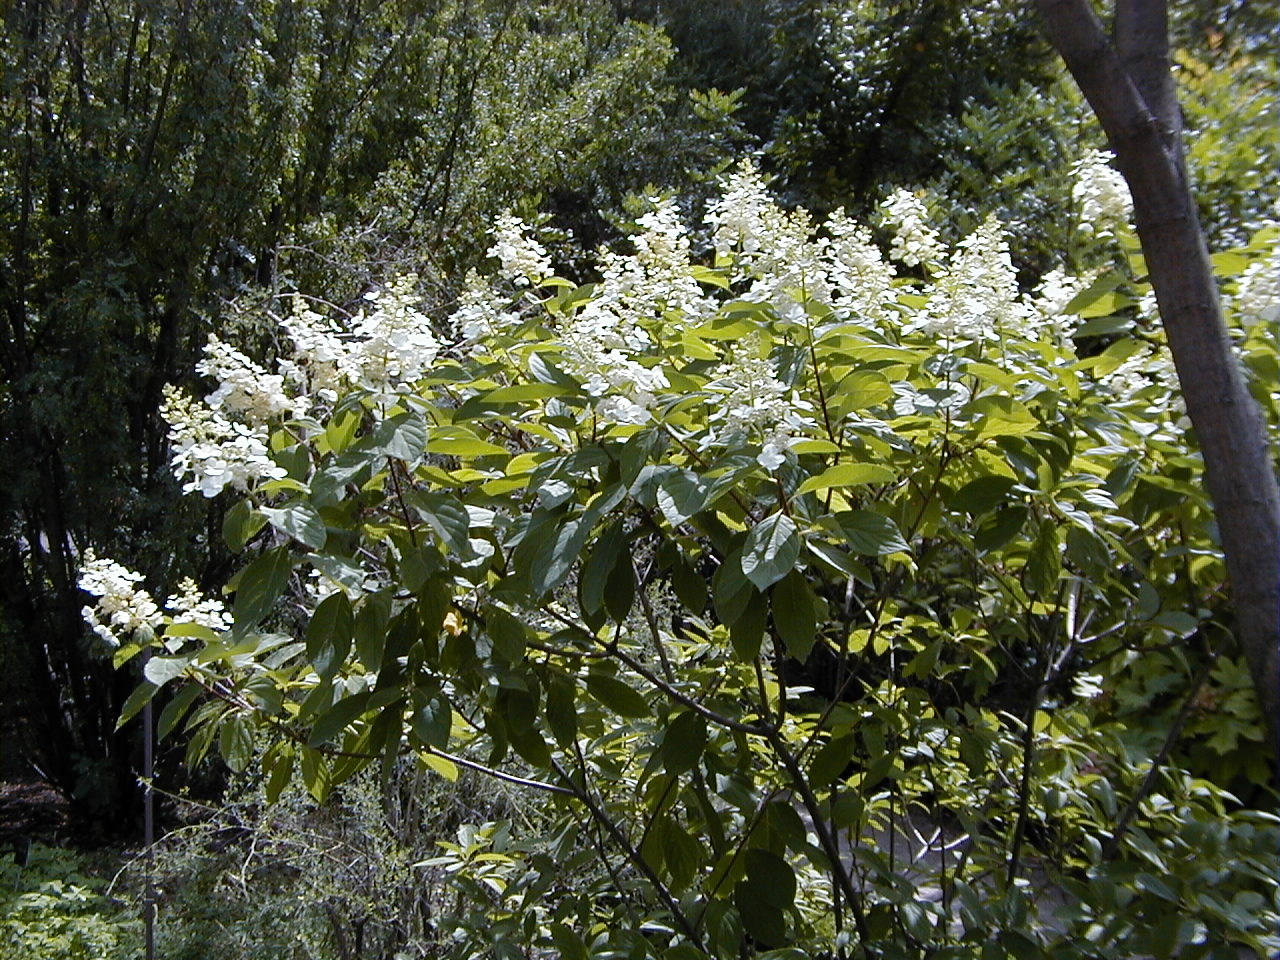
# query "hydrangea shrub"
(803, 580)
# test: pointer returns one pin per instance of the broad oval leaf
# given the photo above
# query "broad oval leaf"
(300, 521)
(771, 550)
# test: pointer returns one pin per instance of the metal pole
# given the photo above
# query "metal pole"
(148, 819)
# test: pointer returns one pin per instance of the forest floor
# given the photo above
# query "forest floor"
(31, 810)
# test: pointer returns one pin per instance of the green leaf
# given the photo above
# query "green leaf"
(402, 437)
(747, 632)
(731, 590)
(620, 590)
(861, 390)
(458, 441)
(617, 696)
(235, 742)
(333, 721)
(831, 759)
(681, 495)
(341, 429)
(448, 517)
(241, 524)
(278, 766)
(562, 713)
(848, 475)
(1044, 564)
(176, 709)
(981, 495)
(771, 550)
(259, 586)
(300, 521)
(870, 534)
(329, 634)
(433, 722)
(689, 585)
(522, 392)
(604, 556)
(507, 633)
(795, 614)
(160, 670)
(139, 698)
(683, 742)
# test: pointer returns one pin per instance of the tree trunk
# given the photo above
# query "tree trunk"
(1129, 85)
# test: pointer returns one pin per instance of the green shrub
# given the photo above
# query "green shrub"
(49, 908)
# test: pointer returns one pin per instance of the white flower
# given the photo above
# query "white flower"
(523, 258)
(1258, 290)
(1087, 686)
(914, 241)
(244, 388)
(599, 350)
(976, 294)
(189, 605)
(753, 404)
(773, 247)
(1056, 290)
(860, 278)
(122, 608)
(322, 361)
(1101, 193)
(1148, 375)
(738, 216)
(478, 314)
(395, 343)
(213, 451)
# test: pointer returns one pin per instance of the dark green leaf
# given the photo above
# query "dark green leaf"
(871, 534)
(795, 614)
(433, 722)
(604, 556)
(259, 586)
(333, 721)
(771, 550)
(176, 709)
(241, 524)
(683, 742)
(617, 696)
(329, 633)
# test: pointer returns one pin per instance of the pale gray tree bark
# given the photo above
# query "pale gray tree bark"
(1127, 80)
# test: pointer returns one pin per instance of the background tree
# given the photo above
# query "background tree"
(159, 157)
(1126, 78)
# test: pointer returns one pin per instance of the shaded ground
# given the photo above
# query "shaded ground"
(31, 810)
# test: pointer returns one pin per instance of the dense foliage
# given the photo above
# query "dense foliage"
(810, 585)
(158, 159)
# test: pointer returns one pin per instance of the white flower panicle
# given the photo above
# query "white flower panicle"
(479, 313)
(189, 605)
(122, 607)
(1101, 194)
(755, 405)
(914, 241)
(1258, 290)
(244, 388)
(1132, 381)
(976, 295)
(212, 450)
(523, 259)
(395, 343)
(598, 350)
(322, 362)
(773, 247)
(1055, 292)
(860, 278)
(737, 218)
